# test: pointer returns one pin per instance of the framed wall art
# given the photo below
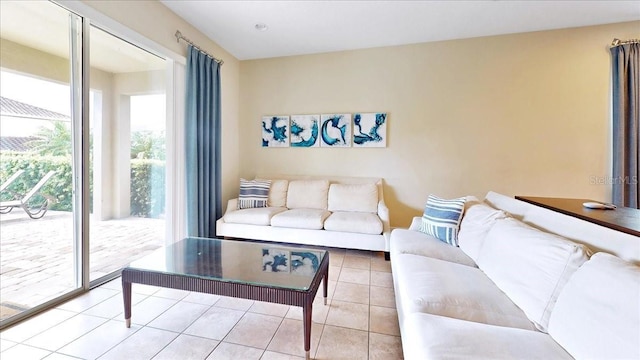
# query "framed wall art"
(335, 130)
(370, 130)
(275, 131)
(305, 130)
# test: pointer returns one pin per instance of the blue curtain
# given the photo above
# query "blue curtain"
(202, 127)
(625, 61)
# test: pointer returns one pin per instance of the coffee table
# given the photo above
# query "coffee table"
(269, 272)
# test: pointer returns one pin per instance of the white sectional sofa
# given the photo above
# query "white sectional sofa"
(524, 283)
(345, 212)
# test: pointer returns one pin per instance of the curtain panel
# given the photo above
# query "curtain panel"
(203, 137)
(625, 60)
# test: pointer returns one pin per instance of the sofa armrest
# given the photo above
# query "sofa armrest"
(232, 205)
(383, 214)
(415, 223)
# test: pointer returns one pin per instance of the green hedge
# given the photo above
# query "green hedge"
(147, 187)
(147, 181)
(35, 168)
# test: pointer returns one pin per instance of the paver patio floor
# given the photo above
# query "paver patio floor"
(37, 256)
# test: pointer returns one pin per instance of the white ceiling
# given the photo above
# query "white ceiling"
(307, 27)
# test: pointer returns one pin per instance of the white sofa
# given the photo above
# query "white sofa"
(345, 212)
(525, 283)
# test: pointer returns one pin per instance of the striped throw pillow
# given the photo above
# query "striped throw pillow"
(441, 218)
(253, 193)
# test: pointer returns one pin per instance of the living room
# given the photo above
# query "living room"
(536, 101)
(520, 114)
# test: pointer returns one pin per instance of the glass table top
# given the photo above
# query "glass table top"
(267, 264)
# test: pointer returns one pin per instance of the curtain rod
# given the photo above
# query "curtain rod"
(618, 42)
(179, 37)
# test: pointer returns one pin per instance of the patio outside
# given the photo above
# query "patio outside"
(36, 256)
(37, 261)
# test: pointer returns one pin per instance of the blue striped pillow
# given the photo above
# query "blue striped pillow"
(441, 218)
(253, 193)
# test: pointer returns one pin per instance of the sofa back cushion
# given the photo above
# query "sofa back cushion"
(308, 194)
(278, 193)
(530, 266)
(596, 237)
(477, 220)
(597, 315)
(353, 197)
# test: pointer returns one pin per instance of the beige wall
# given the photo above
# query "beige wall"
(520, 114)
(156, 22)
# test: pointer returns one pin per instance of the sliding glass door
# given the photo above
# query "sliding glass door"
(39, 248)
(82, 155)
(128, 123)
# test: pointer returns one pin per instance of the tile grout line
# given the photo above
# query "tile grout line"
(181, 332)
(330, 296)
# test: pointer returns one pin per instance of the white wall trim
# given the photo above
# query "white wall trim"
(175, 165)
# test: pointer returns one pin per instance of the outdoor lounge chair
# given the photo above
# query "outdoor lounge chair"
(34, 212)
(10, 180)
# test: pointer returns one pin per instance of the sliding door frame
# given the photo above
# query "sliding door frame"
(175, 110)
(82, 17)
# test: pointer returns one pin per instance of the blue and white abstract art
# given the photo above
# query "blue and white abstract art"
(335, 130)
(304, 262)
(305, 130)
(275, 260)
(370, 130)
(275, 131)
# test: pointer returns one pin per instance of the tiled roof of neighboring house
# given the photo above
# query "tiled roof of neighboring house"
(9, 107)
(16, 143)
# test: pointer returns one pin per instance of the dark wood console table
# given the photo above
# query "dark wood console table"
(626, 220)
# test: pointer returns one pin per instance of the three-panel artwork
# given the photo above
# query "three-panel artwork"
(326, 130)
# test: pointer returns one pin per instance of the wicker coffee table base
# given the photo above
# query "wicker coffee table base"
(303, 298)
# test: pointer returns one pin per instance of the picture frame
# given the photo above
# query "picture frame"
(370, 129)
(275, 131)
(305, 130)
(335, 130)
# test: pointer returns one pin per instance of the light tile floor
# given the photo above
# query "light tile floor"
(360, 322)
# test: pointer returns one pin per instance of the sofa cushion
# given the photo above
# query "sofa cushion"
(354, 222)
(308, 194)
(531, 266)
(301, 219)
(441, 218)
(278, 193)
(448, 289)
(253, 216)
(253, 193)
(477, 220)
(405, 241)
(427, 336)
(597, 314)
(353, 197)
